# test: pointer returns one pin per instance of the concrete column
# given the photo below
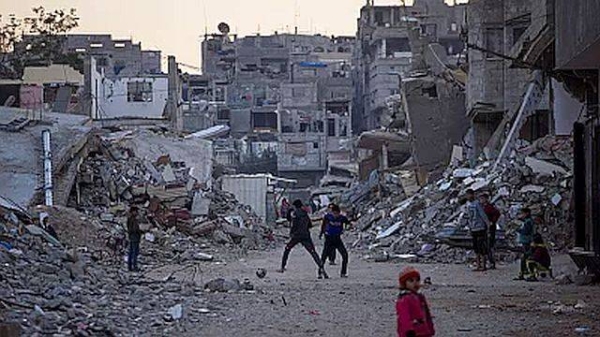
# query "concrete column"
(384, 157)
(551, 110)
(174, 111)
(383, 49)
(372, 17)
(88, 107)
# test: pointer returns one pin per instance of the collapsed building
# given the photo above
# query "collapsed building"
(576, 61)
(289, 95)
(531, 101)
(383, 53)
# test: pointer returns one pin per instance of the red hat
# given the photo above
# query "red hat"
(406, 273)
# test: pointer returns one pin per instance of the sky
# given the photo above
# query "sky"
(177, 27)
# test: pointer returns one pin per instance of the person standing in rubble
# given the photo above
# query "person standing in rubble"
(493, 214)
(300, 234)
(525, 235)
(135, 236)
(332, 228)
(478, 224)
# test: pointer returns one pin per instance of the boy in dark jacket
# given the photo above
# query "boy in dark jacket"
(493, 215)
(300, 234)
(539, 260)
(524, 238)
(412, 310)
(135, 236)
(332, 228)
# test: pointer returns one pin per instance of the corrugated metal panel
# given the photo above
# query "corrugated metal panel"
(251, 191)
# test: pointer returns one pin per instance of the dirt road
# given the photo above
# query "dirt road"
(464, 303)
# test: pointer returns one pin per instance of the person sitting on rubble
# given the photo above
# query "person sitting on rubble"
(412, 311)
(478, 223)
(332, 228)
(47, 226)
(538, 263)
(524, 238)
(493, 214)
(135, 236)
(300, 234)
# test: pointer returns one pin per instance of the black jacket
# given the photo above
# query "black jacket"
(133, 229)
(300, 224)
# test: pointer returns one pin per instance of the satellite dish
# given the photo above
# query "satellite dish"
(223, 28)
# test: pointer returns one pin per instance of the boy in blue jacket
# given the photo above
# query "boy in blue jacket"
(524, 238)
(332, 228)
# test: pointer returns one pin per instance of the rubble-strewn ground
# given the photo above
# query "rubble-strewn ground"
(105, 300)
(464, 303)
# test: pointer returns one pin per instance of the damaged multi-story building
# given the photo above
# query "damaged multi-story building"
(577, 64)
(383, 53)
(508, 54)
(532, 73)
(289, 94)
(118, 78)
(114, 56)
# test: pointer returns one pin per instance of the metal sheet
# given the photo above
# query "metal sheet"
(249, 190)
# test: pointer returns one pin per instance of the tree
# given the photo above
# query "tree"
(35, 40)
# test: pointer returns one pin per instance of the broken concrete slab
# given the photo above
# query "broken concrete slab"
(38, 231)
(223, 285)
(463, 173)
(457, 155)
(556, 199)
(176, 312)
(543, 167)
(168, 174)
(532, 188)
(203, 256)
(403, 206)
(389, 231)
(200, 205)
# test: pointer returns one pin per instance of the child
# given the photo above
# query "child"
(524, 239)
(539, 260)
(412, 311)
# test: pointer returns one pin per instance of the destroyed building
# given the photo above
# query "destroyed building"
(57, 88)
(288, 92)
(383, 54)
(577, 58)
(507, 41)
(118, 96)
(115, 56)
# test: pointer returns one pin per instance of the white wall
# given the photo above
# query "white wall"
(110, 96)
(566, 109)
(249, 190)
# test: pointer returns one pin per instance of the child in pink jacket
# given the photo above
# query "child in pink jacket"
(412, 311)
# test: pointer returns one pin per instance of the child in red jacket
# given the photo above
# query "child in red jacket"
(412, 311)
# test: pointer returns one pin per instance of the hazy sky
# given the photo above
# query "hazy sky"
(176, 27)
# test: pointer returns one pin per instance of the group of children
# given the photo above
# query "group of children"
(332, 229)
(414, 318)
(482, 217)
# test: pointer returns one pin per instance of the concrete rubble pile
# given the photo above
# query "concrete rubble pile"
(176, 206)
(52, 288)
(430, 225)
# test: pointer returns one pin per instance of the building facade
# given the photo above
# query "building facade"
(292, 91)
(383, 52)
(578, 61)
